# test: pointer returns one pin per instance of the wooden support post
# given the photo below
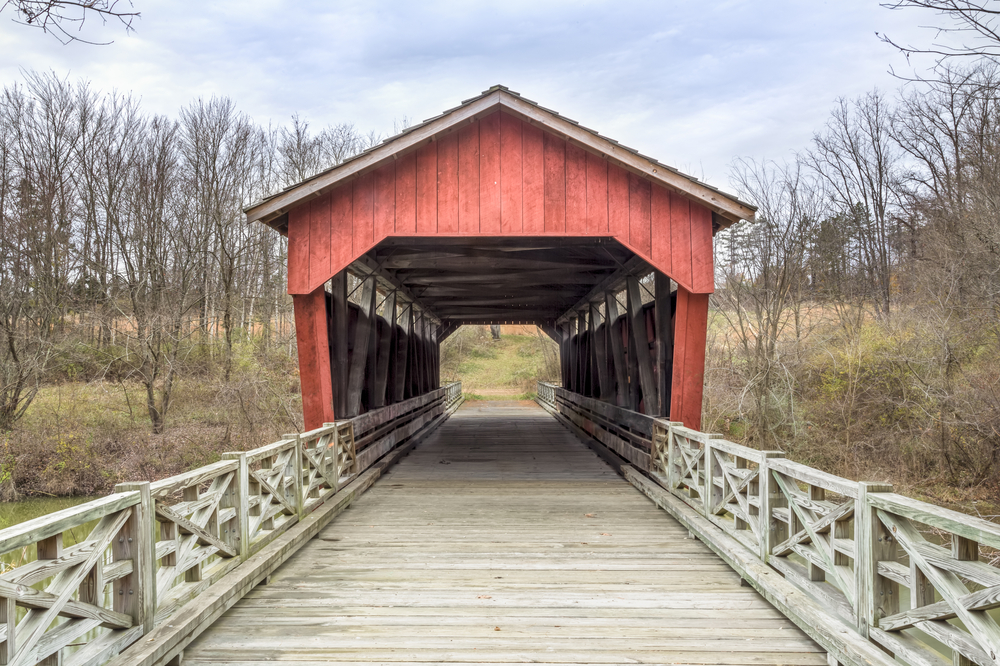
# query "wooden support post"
(240, 490)
(875, 596)
(142, 581)
(586, 342)
(563, 330)
(8, 619)
(688, 383)
(637, 323)
(814, 572)
(418, 355)
(371, 366)
(340, 363)
(634, 389)
(359, 357)
(611, 315)
(664, 342)
(385, 352)
(772, 531)
(313, 340)
(964, 550)
(402, 354)
(574, 339)
(428, 356)
(599, 340)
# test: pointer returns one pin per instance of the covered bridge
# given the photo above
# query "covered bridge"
(501, 211)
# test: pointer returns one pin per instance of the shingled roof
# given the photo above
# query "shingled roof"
(728, 209)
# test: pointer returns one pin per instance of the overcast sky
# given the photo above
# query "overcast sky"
(693, 83)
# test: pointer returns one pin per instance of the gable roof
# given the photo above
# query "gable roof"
(727, 208)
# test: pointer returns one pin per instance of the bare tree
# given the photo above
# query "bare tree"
(763, 278)
(860, 164)
(59, 17)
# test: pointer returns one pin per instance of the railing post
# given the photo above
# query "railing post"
(770, 496)
(242, 501)
(135, 594)
(711, 470)
(300, 501)
(874, 596)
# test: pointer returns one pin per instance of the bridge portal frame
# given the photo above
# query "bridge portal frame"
(500, 166)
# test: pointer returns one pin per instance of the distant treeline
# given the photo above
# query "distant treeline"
(859, 316)
(124, 231)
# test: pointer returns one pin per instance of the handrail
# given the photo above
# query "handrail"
(157, 546)
(852, 547)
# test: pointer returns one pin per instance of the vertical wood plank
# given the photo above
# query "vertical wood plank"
(618, 206)
(554, 150)
(659, 211)
(319, 240)
(385, 201)
(680, 241)
(406, 194)
(468, 179)
(298, 250)
(313, 342)
(364, 213)
(510, 175)
(447, 184)
(639, 214)
(576, 190)
(141, 583)
(533, 179)
(341, 227)
(427, 194)
(489, 174)
(702, 264)
(597, 194)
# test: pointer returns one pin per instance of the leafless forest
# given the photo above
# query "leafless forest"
(124, 253)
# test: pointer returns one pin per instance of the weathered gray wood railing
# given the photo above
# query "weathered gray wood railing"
(162, 547)
(871, 575)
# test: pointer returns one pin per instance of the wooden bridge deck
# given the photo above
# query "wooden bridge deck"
(500, 539)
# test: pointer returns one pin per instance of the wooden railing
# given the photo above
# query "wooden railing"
(147, 551)
(880, 577)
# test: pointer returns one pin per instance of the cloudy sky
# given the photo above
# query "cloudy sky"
(693, 83)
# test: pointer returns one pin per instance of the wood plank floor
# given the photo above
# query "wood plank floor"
(501, 539)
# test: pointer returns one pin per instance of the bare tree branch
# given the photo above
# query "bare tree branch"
(64, 19)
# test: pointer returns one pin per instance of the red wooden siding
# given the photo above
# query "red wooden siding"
(493, 177)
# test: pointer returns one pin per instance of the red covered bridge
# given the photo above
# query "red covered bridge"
(501, 211)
